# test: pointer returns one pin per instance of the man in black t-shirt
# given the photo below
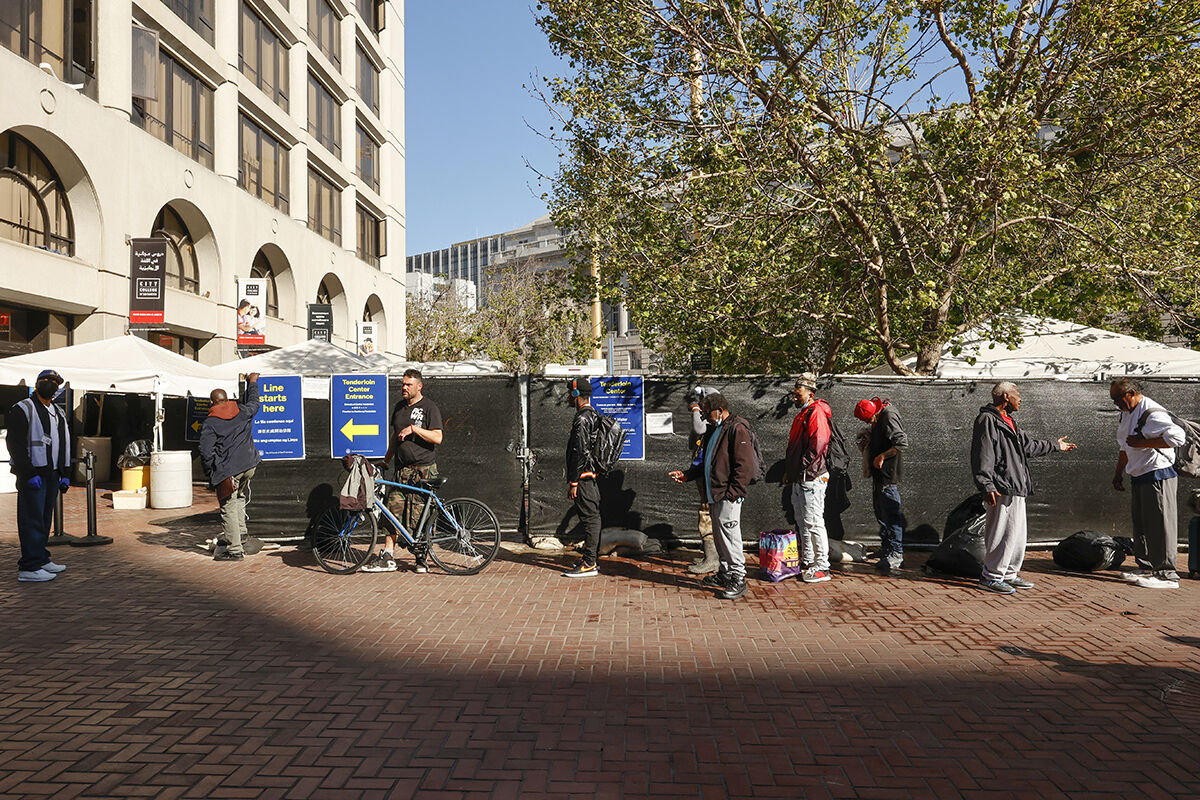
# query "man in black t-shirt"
(416, 433)
(883, 454)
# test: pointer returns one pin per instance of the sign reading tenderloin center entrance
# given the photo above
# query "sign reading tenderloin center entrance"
(358, 415)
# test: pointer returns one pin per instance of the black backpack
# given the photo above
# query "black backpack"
(1187, 455)
(607, 442)
(835, 456)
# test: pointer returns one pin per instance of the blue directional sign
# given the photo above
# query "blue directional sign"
(358, 415)
(623, 399)
(278, 428)
(197, 411)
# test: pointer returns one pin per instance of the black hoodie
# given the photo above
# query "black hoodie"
(1000, 454)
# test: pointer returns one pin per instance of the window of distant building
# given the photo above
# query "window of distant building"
(368, 158)
(368, 81)
(33, 203)
(370, 240)
(183, 271)
(198, 14)
(263, 57)
(323, 29)
(324, 207)
(324, 116)
(263, 168)
(182, 116)
(371, 12)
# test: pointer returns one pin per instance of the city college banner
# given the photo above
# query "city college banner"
(320, 322)
(368, 338)
(251, 313)
(147, 283)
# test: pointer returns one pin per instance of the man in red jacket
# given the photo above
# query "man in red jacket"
(808, 474)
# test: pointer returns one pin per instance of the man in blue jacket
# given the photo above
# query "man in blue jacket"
(229, 456)
(1000, 453)
(39, 445)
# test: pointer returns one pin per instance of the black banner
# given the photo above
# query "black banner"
(147, 283)
(320, 321)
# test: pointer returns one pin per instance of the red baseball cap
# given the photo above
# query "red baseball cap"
(868, 408)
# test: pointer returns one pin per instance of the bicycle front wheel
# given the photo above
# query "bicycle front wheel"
(343, 540)
(464, 538)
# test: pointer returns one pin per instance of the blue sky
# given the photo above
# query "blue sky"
(469, 117)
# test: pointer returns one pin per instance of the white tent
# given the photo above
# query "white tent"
(120, 364)
(1051, 348)
(307, 359)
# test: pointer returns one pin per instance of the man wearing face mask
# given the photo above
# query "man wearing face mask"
(807, 470)
(39, 447)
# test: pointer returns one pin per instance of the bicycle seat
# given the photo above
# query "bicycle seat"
(430, 483)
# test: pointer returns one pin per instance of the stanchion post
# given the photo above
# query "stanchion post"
(93, 538)
(58, 536)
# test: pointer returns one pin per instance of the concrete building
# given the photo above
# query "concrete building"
(543, 245)
(261, 138)
(423, 286)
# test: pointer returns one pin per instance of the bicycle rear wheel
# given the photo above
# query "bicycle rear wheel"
(343, 540)
(465, 538)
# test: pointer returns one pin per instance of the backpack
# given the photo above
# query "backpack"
(607, 443)
(835, 456)
(1187, 455)
(760, 463)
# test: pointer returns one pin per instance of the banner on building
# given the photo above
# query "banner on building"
(251, 312)
(320, 322)
(368, 338)
(147, 283)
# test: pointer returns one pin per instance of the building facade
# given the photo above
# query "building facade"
(542, 244)
(260, 138)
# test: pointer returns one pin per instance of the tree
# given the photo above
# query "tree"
(785, 180)
(441, 327)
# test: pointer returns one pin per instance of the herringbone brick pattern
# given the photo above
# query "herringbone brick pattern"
(148, 670)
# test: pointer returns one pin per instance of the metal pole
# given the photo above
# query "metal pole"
(93, 538)
(59, 537)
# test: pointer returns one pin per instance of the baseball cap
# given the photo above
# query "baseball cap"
(50, 375)
(867, 409)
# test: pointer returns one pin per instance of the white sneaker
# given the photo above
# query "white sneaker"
(50, 566)
(1134, 575)
(35, 575)
(1154, 582)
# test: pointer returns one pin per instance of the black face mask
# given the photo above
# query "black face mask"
(47, 389)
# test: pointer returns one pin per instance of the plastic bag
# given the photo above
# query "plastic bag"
(137, 454)
(961, 553)
(1088, 551)
(778, 555)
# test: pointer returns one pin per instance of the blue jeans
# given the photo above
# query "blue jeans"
(808, 503)
(35, 515)
(886, 499)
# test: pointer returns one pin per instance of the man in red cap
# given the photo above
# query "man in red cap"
(882, 462)
(39, 446)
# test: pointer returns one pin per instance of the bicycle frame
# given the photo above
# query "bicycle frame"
(430, 499)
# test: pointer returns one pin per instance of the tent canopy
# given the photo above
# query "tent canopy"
(120, 364)
(1052, 348)
(307, 359)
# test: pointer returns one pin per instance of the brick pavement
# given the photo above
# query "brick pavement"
(148, 670)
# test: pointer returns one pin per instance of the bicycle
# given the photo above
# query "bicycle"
(461, 535)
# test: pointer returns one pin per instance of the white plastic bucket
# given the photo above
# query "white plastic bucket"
(171, 479)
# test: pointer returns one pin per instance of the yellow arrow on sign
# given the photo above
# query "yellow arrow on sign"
(350, 430)
(196, 426)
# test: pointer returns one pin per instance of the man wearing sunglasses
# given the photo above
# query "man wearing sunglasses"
(1147, 438)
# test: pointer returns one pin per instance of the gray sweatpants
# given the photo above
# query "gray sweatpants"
(1005, 537)
(1156, 525)
(233, 511)
(727, 535)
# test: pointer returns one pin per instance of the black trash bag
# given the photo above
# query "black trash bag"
(961, 553)
(1088, 551)
(137, 454)
(963, 513)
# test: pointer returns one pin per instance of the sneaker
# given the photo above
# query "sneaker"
(228, 556)
(735, 589)
(714, 581)
(885, 565)
(422, 565)
(582, 570)
(1134, 575)
(1155, 582)
(814, 575)
(380, 562)
(999, 587)
(1019, 583)
(35, 575)
(50, 566)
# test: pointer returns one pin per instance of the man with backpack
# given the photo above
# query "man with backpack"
(807, 471)
(1147, 437)
(727, 468)
(582, 473)
(882, 462)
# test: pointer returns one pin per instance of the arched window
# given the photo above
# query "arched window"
(183, 271)
(33, 203)
(368, 314)
(261, 268)
(323, 293)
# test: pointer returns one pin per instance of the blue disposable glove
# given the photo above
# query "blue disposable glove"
(64, 484)
(35, 482)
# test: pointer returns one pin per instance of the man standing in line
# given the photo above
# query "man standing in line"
(39, 447)
(581, 475)
(808, 473)
(1147, 438)
(709, 562)
(1000, 453)
(883, 463)
(229, 457)
(416, 433)
(727, 469)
